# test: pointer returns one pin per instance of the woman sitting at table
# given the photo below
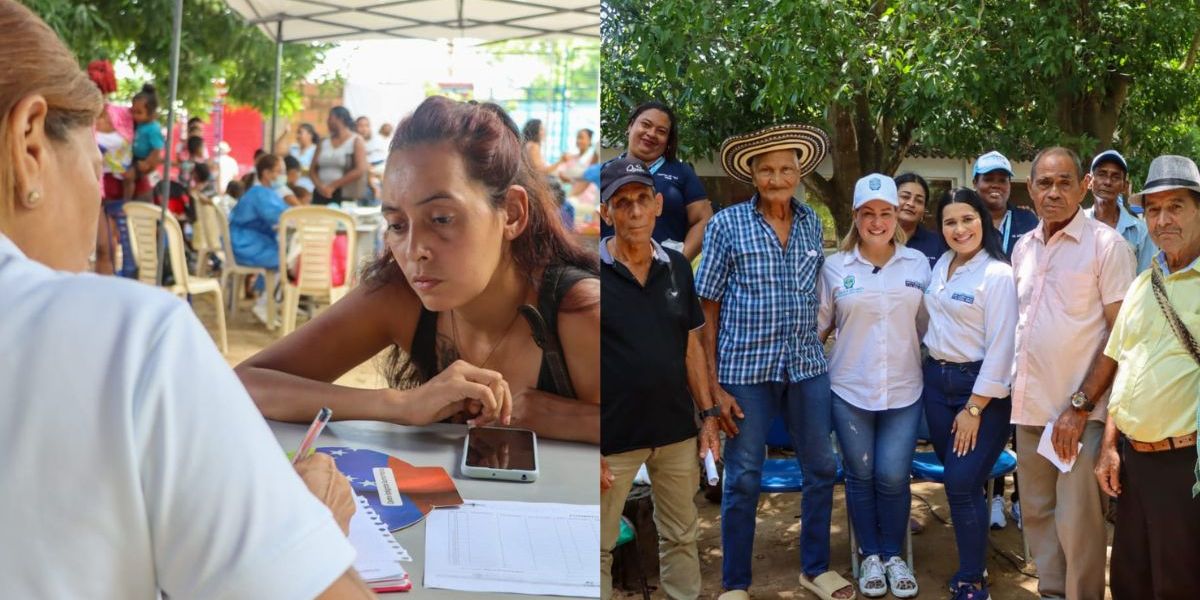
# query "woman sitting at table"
(491, 311)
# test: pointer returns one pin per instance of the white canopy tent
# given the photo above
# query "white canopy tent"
(338, 20)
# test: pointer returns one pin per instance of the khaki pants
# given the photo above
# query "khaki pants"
(674, 479)
(1063, 516)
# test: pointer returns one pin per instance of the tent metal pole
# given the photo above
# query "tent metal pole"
(165, 190)
(270, 145)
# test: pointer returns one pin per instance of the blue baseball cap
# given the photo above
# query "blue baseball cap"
(992, 161)
(1110, 156)
(875, 187)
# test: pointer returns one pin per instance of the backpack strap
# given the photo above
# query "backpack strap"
(543, 322)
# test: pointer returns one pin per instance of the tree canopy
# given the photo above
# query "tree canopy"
(215, 43)
(883, 77)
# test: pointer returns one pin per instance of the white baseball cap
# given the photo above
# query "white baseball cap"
(992, 161)
(875, 187)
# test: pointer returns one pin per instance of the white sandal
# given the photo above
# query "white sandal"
(900, 578)
(872, 583)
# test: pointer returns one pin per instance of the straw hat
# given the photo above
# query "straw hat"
(810, 145)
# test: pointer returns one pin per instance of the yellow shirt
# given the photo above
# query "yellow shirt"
(1157, 388)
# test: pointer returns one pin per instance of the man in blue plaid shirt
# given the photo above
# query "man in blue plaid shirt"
(757, 284)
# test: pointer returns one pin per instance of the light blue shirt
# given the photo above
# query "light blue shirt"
(1135, 232)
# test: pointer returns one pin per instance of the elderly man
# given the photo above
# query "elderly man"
(1109, 179)
(757, 284)
(1072, 273)
(1155, 400)
(651, 356)
(992, 177)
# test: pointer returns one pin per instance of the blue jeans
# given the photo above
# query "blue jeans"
(947, 389)
(805, 407)
(115, 209)
(877, 449)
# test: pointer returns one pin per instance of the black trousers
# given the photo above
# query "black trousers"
(1156, 545)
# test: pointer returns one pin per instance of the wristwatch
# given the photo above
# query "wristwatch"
(713, 411)
(973, 409)
(1079, 401)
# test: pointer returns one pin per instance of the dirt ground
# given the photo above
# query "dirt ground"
(776, 559)
(776, 549)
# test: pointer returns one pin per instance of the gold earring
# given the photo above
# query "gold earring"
(32, 199)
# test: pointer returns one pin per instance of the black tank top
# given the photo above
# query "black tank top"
(543, 321)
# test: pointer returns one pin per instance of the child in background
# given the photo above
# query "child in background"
(233, 192)
(148, 144)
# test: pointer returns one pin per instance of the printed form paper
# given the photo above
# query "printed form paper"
(514, 547)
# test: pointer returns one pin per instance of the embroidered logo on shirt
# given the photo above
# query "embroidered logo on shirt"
(914, 284)
(967, 298)
(848, 282)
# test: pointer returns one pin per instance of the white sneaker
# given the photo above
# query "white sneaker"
(1016, 513)
(998, 520)
(900, 578)
(871, 581)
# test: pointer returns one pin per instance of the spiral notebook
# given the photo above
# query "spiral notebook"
(378, 553)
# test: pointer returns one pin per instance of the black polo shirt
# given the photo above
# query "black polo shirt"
(644, 397)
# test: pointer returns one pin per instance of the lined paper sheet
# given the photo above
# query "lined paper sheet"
(514, 547)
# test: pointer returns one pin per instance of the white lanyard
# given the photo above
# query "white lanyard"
(1005, 228)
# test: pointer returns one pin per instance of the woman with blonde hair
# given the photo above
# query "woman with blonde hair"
(871, 296)
(112, 389)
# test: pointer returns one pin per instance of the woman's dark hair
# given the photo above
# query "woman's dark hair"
(490, 145)
(312, 132)
(532, 131)
(911, 177)
(342, 114)
(672, 135)
(149, 96)
(968, 196)
(264, 163)
(234, 189)
(290, 163)
(195, 146)
(201, 173)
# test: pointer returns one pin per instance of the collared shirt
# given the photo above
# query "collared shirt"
(135, 460)
(644, 331)
(1063, 285)
(768, 325)
(878, 314)
(1156, 393)
(1135, 232)
(929, 243)
(973, 317)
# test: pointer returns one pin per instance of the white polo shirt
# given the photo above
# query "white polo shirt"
(878, 316)
(135, 464)
(973, 317)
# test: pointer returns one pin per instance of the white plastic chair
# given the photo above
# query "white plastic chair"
(314, 229)
(206, 235)
(143, 224)
(233, 275)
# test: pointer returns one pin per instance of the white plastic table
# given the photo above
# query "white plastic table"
(568, 473)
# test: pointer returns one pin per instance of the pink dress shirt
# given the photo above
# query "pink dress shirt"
(1063, 285)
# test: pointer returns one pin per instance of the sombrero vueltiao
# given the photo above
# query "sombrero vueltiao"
(810, 145)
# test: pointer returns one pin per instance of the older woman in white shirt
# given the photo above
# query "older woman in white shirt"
(972, 306)
(871, 295)
(111, 392)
